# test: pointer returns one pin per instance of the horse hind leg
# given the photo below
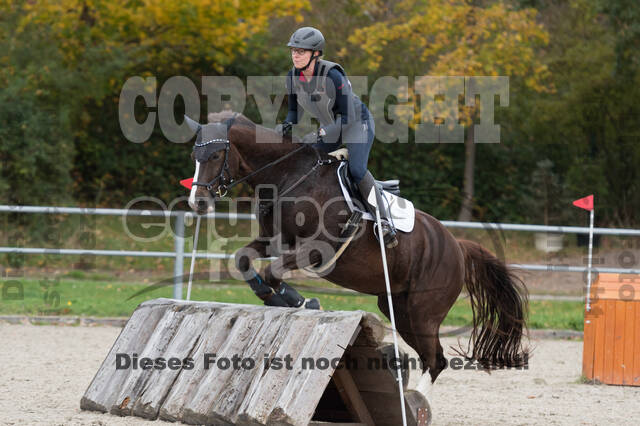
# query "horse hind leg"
(417, 328)
(403, 325)
(426, 315)
(430, 299)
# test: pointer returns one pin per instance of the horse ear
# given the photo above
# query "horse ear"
(194, 125)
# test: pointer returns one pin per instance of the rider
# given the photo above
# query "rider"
(322, 89)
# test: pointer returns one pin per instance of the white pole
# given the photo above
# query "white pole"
(590, 257)
(390, 303)
(193, 256)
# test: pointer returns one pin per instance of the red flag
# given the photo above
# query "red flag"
(187, 183)
(585, 203)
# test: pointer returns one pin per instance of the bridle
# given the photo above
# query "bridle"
(226, 184)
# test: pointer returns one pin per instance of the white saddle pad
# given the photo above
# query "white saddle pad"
(403, 213)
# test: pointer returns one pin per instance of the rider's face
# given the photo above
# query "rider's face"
(300, 57)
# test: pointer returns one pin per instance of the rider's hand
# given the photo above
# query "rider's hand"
(284, 129)
(341, 154)
(311, 138)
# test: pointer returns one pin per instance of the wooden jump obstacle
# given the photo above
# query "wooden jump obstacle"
(611, 352)
(320, 393)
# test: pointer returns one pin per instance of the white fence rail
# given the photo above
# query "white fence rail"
(179, 238)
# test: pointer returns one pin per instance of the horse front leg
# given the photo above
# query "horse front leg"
(244, 263)
(306, 255)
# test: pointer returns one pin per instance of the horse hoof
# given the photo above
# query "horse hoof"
(313, 303)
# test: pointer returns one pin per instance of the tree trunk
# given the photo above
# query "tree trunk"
(466, 209)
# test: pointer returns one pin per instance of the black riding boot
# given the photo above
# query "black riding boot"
(388, 232)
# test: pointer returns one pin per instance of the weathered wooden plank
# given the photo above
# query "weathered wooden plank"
(106, 385)
(263, 394)
(225, 408)
(215, 332)
(214, 381)
(156, 346)
(299, 374)
(180, 347)
(302, 392)
(351, 396)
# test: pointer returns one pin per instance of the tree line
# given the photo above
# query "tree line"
(571, 127)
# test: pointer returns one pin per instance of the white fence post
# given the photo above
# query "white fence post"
(178, 237)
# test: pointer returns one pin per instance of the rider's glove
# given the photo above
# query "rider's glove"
(341, 154)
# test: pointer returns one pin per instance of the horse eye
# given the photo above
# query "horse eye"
(214, 156)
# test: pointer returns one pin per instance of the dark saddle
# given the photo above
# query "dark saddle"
(392, 186)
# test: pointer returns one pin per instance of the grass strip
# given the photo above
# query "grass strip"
(113, 299)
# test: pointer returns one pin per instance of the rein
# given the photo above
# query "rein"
(226, 185)
(266, 207)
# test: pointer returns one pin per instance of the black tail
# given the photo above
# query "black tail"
(500, 306)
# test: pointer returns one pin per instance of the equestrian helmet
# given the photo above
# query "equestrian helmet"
(307, 38)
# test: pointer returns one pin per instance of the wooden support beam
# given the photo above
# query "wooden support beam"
(351, 396)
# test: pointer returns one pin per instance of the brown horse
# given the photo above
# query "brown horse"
(427, 269)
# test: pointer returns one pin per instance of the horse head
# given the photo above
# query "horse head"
(215, 170)
(219, 161)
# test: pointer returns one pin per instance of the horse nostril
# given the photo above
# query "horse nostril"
(202, 204)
